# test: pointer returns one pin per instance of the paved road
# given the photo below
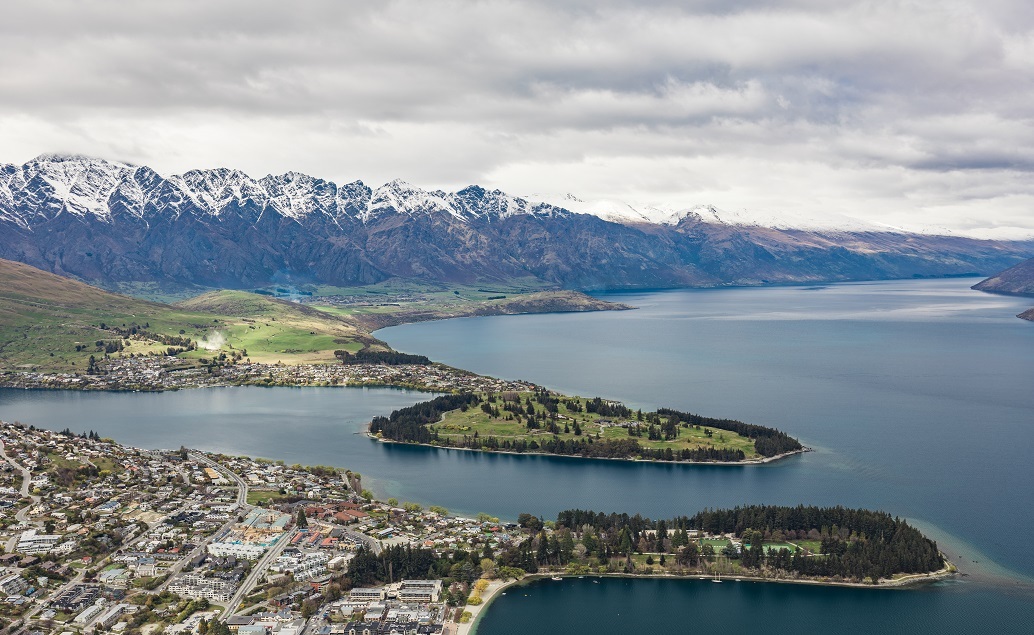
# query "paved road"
(23, 514)
(256, 572)
(242, 485)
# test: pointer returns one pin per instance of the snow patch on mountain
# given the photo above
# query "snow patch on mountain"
(633, 213)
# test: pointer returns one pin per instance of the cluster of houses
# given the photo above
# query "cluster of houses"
(111, 526)
(169, 373)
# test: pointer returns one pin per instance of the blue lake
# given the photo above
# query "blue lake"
(589, 607)
(917, 396)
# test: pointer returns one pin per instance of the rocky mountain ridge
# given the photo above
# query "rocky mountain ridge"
(108, 222)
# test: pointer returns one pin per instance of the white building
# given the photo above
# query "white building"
(378, 594)
(112, 615)
(243, 550)
(420, 591)
(196, 586)
(87, 616)
(304, 567)
(31, 542)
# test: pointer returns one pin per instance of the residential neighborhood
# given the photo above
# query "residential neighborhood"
(103, 538)
(156, 373)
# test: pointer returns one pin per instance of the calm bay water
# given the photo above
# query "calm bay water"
(576, 606)
(916, 396)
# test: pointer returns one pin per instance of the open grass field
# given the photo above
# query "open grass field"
(262, 496)
(54, 324)
(572, 420)
(272, 330)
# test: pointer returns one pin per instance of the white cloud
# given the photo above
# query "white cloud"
(906, 112)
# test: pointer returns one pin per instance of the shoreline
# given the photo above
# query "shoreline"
(761, 461)
(495, 590)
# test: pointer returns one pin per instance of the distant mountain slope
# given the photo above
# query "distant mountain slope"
(110, 223)
(1016, 280)
(25, 289)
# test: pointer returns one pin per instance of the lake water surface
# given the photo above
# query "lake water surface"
(917, 396)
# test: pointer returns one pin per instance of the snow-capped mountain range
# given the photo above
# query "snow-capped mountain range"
(51, 185)
(111, 222)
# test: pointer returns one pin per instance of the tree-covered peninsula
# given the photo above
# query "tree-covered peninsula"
(545, 422)
(833, 544)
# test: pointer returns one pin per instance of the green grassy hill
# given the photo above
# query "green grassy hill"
(52, 323)
(276, 330)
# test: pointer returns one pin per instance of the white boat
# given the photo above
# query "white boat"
(717, 576)
(556, 578)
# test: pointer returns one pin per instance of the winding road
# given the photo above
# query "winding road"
(23, 514)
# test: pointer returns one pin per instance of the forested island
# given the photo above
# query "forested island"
(831, 544)
(545, 422)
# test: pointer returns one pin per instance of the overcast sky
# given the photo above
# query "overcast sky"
(908, 112)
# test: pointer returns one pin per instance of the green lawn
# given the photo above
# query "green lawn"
(259, 497)
(457, 424)
(813, 546)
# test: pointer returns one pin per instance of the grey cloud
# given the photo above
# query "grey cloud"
(453, 92)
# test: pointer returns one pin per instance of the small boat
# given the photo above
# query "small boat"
(717, 577)
(556, 578)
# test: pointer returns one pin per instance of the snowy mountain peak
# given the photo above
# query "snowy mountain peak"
(57, 157)
(53, 184)
(401, 197)
(214, 190)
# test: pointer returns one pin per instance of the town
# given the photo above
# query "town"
(104, 538)
(167, 372)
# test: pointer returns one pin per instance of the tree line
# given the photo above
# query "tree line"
(389, 358)
(590, 447)
(767, 441)
(855, 543)
(410, 424)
